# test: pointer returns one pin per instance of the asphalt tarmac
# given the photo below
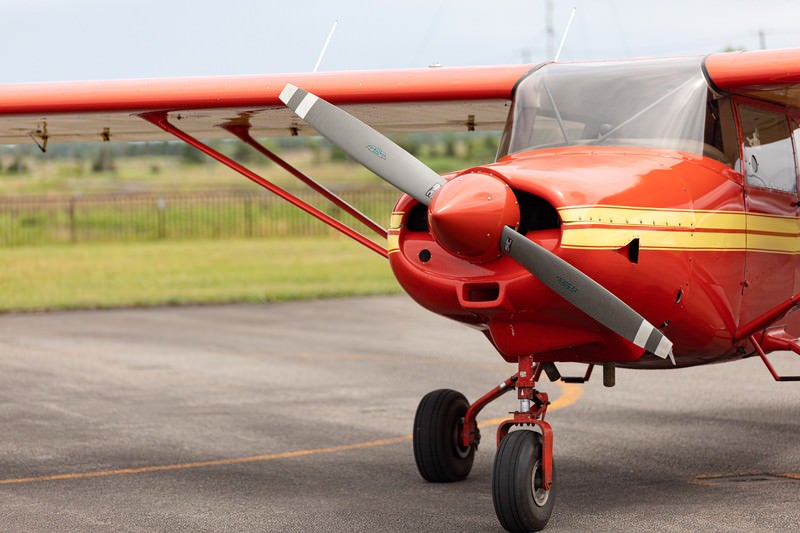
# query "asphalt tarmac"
(297, 417)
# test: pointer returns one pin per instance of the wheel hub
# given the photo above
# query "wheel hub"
(539, 493)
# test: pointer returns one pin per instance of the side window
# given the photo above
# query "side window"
(768, 156)
(721, 139)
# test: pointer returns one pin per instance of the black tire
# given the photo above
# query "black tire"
(437, 426)
(520, 501)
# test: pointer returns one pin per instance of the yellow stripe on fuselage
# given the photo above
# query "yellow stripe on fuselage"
(396, 221)
(393, 238)
(612, 227)
(393, 243)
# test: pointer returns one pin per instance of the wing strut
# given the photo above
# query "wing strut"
(160, 119)
(771, 340)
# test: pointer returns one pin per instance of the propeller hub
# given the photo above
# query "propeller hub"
(467, 216)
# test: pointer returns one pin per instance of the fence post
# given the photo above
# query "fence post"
(248, 214)
(73, 233)
(162, 230)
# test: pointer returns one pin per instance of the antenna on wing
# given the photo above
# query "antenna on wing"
(566, 32)
(325, 46)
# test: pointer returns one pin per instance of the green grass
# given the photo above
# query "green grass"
(172, 272)
(46, 177)
(34, 278)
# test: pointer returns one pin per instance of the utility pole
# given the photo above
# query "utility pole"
(550, 33)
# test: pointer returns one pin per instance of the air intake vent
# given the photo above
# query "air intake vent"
(417, 219)
(536, 213)
(481, 292)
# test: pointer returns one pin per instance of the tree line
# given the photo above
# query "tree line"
(473, 148)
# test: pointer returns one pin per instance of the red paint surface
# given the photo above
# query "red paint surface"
(755, 69)
(521, 316)
(468, 214)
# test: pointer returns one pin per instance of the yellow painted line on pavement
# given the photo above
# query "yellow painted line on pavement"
(202, 464)
(570, 393)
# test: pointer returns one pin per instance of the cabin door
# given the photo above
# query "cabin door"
(769, 166)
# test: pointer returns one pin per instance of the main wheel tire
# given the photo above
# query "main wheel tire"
(437, 430)
(520, 501)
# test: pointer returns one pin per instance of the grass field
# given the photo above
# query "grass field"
(170, 273)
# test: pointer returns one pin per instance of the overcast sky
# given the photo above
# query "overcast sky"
(99, 39)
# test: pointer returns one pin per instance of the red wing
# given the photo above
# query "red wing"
(772, 75)
(440, 99)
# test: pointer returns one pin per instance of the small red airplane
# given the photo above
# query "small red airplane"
(639, 214)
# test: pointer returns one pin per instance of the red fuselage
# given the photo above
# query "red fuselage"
(669, 232)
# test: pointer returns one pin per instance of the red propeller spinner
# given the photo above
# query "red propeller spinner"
(467, 215)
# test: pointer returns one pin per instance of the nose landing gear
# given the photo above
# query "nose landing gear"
(446, 437)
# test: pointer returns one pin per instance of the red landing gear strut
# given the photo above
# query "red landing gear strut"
(446, 436)
(532, 408)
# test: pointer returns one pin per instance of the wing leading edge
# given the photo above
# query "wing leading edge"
(436, 99)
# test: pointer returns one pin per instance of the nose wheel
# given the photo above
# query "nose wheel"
(521, 501)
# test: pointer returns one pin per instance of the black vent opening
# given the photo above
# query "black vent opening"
(536, 213)
(417, 219)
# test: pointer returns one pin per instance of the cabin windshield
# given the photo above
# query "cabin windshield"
(653, 103)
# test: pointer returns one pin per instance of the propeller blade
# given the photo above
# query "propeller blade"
(584, 293)
(361, 142)
(389, 161)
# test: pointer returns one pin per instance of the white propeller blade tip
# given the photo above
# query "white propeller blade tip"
(664, 350)
(287, 93)
(301, 108)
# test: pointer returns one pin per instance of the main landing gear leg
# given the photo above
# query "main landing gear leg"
(446, 436)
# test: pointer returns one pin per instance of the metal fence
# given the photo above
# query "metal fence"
(184, 215)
